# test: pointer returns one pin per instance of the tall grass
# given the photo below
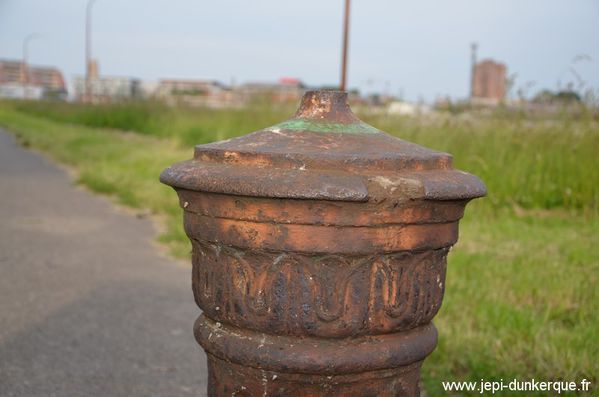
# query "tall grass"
(522, 287)
(542, 164)
(187, 126)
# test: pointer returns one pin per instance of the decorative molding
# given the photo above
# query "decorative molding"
(318, 295)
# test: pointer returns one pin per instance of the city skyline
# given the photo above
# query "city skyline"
(418, 51)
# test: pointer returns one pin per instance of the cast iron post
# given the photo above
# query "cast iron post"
(319, 254)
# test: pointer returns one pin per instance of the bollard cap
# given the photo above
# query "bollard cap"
(323, 153)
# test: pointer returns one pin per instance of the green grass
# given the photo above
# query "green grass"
(542, 164)
(522, 302)
(185, 126)
(522, 287)
(529, 164)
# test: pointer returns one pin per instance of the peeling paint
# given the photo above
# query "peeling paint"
(325, 126)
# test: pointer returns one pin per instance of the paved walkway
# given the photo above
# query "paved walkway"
(87, 305)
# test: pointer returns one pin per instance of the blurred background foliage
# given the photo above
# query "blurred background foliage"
(522, 297)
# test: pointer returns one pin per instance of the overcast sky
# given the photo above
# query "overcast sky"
(420, 49)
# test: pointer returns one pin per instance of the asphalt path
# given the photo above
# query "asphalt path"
(88, 304)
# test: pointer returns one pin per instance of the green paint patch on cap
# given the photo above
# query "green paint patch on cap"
(324, 126)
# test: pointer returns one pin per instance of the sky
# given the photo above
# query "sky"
(419, 50)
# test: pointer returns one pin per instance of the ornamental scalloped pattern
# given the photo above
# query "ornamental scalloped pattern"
(318, 295)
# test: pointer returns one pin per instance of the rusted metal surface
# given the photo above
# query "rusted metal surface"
(319, 254)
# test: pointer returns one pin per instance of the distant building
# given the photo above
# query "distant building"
(194, 92)
(18, 80)
(104, 89)
(212, 93)
(287, 89)
(488, 82)
(93, 70)
(403, 108)
(107, 89)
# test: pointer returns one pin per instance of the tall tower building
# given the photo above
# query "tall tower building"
(489, 81)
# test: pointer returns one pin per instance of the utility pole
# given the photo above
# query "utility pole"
(25, 62)
(88, 48)
(343, 85)
(473, 60)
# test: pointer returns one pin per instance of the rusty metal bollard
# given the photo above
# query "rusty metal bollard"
(319, 254)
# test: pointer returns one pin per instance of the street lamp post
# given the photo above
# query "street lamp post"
(25, 62)
(473, 60)
(343, 84)
(88, 48)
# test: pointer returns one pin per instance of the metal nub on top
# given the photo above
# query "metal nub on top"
(326, 106)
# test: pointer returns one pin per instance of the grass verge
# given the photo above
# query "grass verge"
(522, 288)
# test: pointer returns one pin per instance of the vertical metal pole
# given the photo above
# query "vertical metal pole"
(473, 61)
(25, 68)
(25, 62)
(343, 85)
(88, 48)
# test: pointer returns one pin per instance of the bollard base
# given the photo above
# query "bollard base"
(248, 363)
(230, 379)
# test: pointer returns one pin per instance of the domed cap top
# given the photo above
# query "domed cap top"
(323, 152)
